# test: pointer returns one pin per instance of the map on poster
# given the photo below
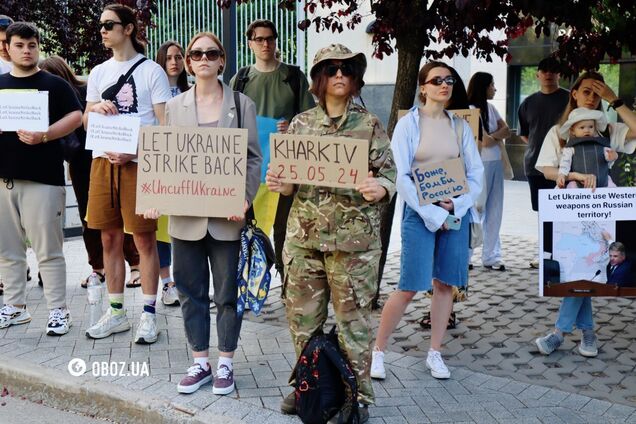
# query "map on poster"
(581, 250)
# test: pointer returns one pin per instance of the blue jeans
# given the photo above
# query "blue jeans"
(575, 311)
(165, 254)
(493, 211)
(192, 276)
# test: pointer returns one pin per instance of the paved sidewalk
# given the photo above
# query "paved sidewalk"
(498, 376)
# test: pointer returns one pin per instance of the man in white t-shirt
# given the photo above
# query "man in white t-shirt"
(113, 89)
(5, 60)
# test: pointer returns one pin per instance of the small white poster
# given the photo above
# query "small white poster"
(24, 110)
(112, 133)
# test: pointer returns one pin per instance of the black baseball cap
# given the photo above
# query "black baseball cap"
(549, 64)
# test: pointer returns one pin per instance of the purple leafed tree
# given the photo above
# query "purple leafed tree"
(70, 29)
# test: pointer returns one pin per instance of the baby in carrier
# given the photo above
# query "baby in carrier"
(586, 151)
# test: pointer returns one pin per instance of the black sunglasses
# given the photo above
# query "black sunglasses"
(211, 55)
(347, 69)
(449, 80)
(109, 25)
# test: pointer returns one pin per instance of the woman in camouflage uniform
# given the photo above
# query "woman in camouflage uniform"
(333, 242)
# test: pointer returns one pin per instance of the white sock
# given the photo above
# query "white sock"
(203, 362)
(225, 361)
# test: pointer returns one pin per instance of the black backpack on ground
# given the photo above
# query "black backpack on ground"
(325, 383)
(293, 79)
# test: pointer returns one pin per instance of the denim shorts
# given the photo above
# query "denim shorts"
(442, 255)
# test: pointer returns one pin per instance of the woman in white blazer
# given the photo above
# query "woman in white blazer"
(198, 241)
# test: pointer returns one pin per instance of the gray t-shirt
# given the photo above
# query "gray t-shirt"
(537, 114)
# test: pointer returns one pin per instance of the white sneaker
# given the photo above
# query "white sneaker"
(147, 329)
(59, 322)
(377, 365)
(10, 315)
(435, 363)
(170, 295)
(108, 324)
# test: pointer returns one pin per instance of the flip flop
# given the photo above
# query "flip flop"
(135, 281)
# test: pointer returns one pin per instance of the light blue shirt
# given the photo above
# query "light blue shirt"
(406, 138)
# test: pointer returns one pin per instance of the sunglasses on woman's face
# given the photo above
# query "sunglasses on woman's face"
(346, 68)
(211, 55)
(109, 25)
(449, 80)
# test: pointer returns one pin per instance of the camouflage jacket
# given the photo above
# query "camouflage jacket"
(327, 218)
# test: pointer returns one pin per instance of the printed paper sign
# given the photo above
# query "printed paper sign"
(578, 231)
(469, 115)
(439, 181)
(24, 110)
(319, 160)
(112, 133)
(192, 171)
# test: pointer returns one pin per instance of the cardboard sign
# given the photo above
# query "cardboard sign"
(319, 160)
(112, 133)
(472, 117)
(24, 110)
(576, 230)
(439, 181)
(192, 171)
(469, 115)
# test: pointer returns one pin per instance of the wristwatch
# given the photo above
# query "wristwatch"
(616, 104)
(44, 138)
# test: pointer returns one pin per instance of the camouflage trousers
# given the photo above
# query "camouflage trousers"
(349, 278)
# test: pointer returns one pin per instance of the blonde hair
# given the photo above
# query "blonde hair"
(212, 37)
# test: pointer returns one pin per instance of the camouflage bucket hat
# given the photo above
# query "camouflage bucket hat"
(337, 52)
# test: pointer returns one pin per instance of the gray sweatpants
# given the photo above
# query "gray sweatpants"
(34, 211)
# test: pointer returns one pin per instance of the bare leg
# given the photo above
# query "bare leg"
(149, 261)
(113, 242)
(392, 313)
(441, 307)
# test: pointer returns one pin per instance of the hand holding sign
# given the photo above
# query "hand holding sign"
(276, 184)
(371, 189)
(440, 181)
(30, 137)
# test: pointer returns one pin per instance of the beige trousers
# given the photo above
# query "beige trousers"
(34, 211)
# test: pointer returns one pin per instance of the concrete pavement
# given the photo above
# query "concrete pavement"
(498, 376)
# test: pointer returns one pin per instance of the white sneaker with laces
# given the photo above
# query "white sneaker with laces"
(170, 296)
(59, 322)
(377, 365)
(107, 325)
(10, 315)
(435, 363)
(147, 329)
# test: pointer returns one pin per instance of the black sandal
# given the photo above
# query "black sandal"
(102, 278)
(426, 321)
(134, 282)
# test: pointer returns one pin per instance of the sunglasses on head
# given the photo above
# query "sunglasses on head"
(109, 25)
(347, 69)
(449, 80)
(211, 55)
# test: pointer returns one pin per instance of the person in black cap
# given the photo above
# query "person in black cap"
(537, 114)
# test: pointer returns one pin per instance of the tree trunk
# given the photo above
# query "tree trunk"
(410, 53)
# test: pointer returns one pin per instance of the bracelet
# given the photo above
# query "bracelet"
(44, 139)
(616, 104)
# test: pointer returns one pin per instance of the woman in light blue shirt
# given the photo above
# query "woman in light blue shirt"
(433, 255)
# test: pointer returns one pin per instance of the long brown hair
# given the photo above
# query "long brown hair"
(162, 59)
(57, 66)
(127, 16)
(422, 77)
(572, 102)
